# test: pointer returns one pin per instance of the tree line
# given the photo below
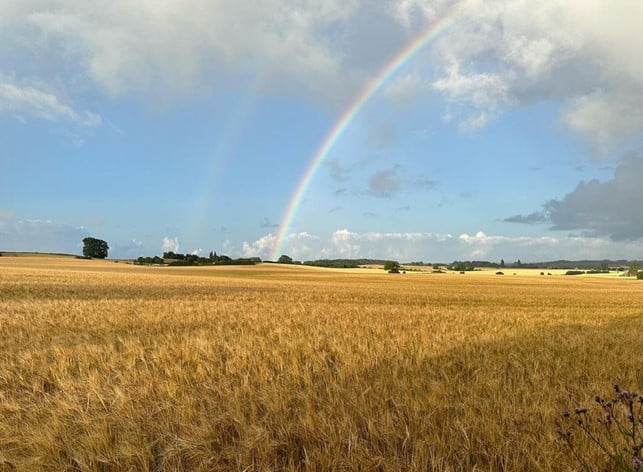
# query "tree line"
(172, 258)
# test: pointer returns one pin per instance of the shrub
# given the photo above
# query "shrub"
(639, 275)
(500, 273)
(614, 427)
(574, 272)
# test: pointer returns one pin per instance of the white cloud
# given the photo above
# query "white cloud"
(402, 90)
(299, 245)
(494, 56)
(302, 244)
(509, 53)
(482, 90)
(26, 100)
(177, 47)
(170, 244)
(228, 247)
(606, 118)
(444, 247)
(262, 247)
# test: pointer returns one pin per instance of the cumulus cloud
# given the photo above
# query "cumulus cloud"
(599, 208)
(299, 245)
(176, 47)
(483, 93)
(262, 247)
(606, 118)
(18, 234)
(507, 53)
(170, 244)
(437, 247)
(494, 55)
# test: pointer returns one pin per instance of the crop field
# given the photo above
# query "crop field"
(108, 366)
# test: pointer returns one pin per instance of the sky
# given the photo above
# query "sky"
(513, 131)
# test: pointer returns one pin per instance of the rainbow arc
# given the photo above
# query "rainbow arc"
(431, 33)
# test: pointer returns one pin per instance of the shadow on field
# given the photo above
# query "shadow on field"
(493, 405)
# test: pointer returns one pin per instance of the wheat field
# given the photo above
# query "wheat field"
(107, 367)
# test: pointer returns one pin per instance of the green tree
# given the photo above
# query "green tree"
(393, 267)
(284, 259)
(93, 247)
(461, 266)
(634, 268)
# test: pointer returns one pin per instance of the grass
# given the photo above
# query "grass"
(108, 366)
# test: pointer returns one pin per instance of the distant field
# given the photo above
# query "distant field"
(111, 366)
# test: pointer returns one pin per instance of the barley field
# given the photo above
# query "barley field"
(107, 366)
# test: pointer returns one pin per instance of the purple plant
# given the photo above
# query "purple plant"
(615, 426)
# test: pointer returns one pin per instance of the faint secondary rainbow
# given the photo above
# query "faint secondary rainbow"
(397, 61)
(227, 137)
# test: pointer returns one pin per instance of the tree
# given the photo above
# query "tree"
(502, 262)
(634, 268)
(284, 259)
(461, 266)
(393, 267)
(93, 247)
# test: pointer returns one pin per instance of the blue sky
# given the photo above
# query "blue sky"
(187, 126)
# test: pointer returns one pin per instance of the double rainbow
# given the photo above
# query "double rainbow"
(397, 61)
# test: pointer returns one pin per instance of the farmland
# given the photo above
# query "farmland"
(110, 366)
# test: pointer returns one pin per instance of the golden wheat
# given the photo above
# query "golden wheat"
(109, 366)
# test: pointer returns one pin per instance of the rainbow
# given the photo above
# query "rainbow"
(402, 57)
(228, 136)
